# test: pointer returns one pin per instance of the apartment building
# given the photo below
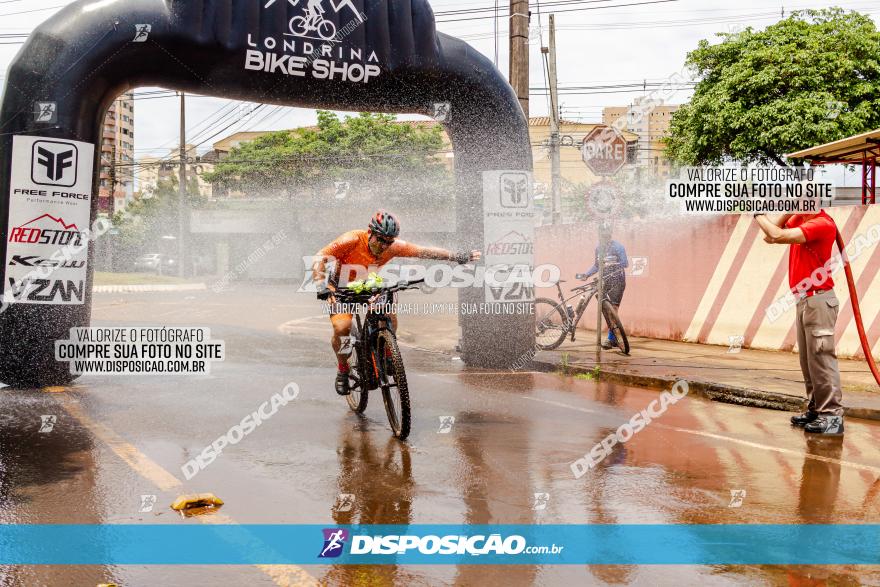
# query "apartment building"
(116, 184)
(650, 122)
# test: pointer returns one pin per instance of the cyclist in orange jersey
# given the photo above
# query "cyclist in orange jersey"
(374, 247)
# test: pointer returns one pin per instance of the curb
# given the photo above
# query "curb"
(718, 392)
(149, 288)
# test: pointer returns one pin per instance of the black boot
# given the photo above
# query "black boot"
(827, 424)
(342, 387)
(804, 419)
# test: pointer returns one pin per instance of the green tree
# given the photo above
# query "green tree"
(372, 151)
(809, 79)
(150, 217)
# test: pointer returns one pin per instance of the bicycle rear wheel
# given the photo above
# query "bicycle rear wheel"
(392, 381)
(299, 26)
(616, 326)
(551, 324)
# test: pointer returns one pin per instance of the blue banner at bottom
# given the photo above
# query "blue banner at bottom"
(440, 544)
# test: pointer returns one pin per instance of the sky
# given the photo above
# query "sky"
(609, 45)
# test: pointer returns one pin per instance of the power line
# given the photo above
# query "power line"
(35, 10)
(569, 10)
(551, 3)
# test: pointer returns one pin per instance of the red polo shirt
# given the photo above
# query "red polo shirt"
(804, 259)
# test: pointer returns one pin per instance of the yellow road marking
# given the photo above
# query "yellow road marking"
(281, 575)
(758, 445)
(290, 324)
(560, 405)
(141, 463)
(787, 451)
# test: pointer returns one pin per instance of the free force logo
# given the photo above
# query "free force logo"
(514, 190)
(54, 163)
(334, 542)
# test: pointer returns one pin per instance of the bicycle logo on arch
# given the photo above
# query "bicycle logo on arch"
(312, 24)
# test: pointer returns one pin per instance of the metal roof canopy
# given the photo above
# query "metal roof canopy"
(863, 149)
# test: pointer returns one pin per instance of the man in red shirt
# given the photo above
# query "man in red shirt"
(812, 238)
(368, 250)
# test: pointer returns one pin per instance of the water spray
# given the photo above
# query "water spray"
(857, 313)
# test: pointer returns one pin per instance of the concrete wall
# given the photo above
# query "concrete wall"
(242, 228)
(710, 279)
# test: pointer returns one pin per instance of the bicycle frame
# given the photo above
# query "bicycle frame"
(590, 292)
(368, 328)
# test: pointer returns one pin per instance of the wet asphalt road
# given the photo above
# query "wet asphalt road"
(515, 435)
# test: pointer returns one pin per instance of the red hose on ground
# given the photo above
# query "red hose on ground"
(857, 312)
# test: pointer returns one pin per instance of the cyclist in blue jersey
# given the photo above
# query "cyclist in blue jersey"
(616, 263)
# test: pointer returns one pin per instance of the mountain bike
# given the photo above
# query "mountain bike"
(312, 21)
(557, 320)
(376, 360)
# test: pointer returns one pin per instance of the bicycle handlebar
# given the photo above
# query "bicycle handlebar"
(350, 296)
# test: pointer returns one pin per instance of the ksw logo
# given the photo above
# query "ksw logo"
(36, 261)
(514, 190)
(54, 163)
(47, 291)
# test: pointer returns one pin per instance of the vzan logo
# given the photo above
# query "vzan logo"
(313, 45)
(54, 163)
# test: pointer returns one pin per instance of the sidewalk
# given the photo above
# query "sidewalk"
(765, 379)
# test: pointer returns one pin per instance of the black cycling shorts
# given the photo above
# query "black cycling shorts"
(614, 290)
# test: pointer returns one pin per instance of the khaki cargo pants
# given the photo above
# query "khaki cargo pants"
(816, 318)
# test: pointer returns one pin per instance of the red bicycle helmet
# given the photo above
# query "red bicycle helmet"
(385, 224)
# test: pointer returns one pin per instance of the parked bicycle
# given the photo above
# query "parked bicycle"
(557, 320)
(376, 360)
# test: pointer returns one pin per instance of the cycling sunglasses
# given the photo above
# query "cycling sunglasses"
(383, 240)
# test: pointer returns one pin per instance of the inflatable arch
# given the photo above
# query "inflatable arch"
(356, 55)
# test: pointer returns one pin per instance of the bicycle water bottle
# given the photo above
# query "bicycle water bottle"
(570, 311)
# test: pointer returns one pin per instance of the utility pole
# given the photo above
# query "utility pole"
(554, 126)
(519, 51)
(109, 243)
(181, 197)
(113, 178)
(601, 295)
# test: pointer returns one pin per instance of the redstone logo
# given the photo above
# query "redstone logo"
(513, 243)
(46, 230)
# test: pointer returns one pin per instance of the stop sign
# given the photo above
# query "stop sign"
(604, 151)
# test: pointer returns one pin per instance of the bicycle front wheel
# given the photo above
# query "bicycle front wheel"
(616, 326)
(551, 324)
(392, 380)
(327, 30)
(357, 383)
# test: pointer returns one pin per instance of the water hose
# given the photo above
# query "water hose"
(857, 312)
